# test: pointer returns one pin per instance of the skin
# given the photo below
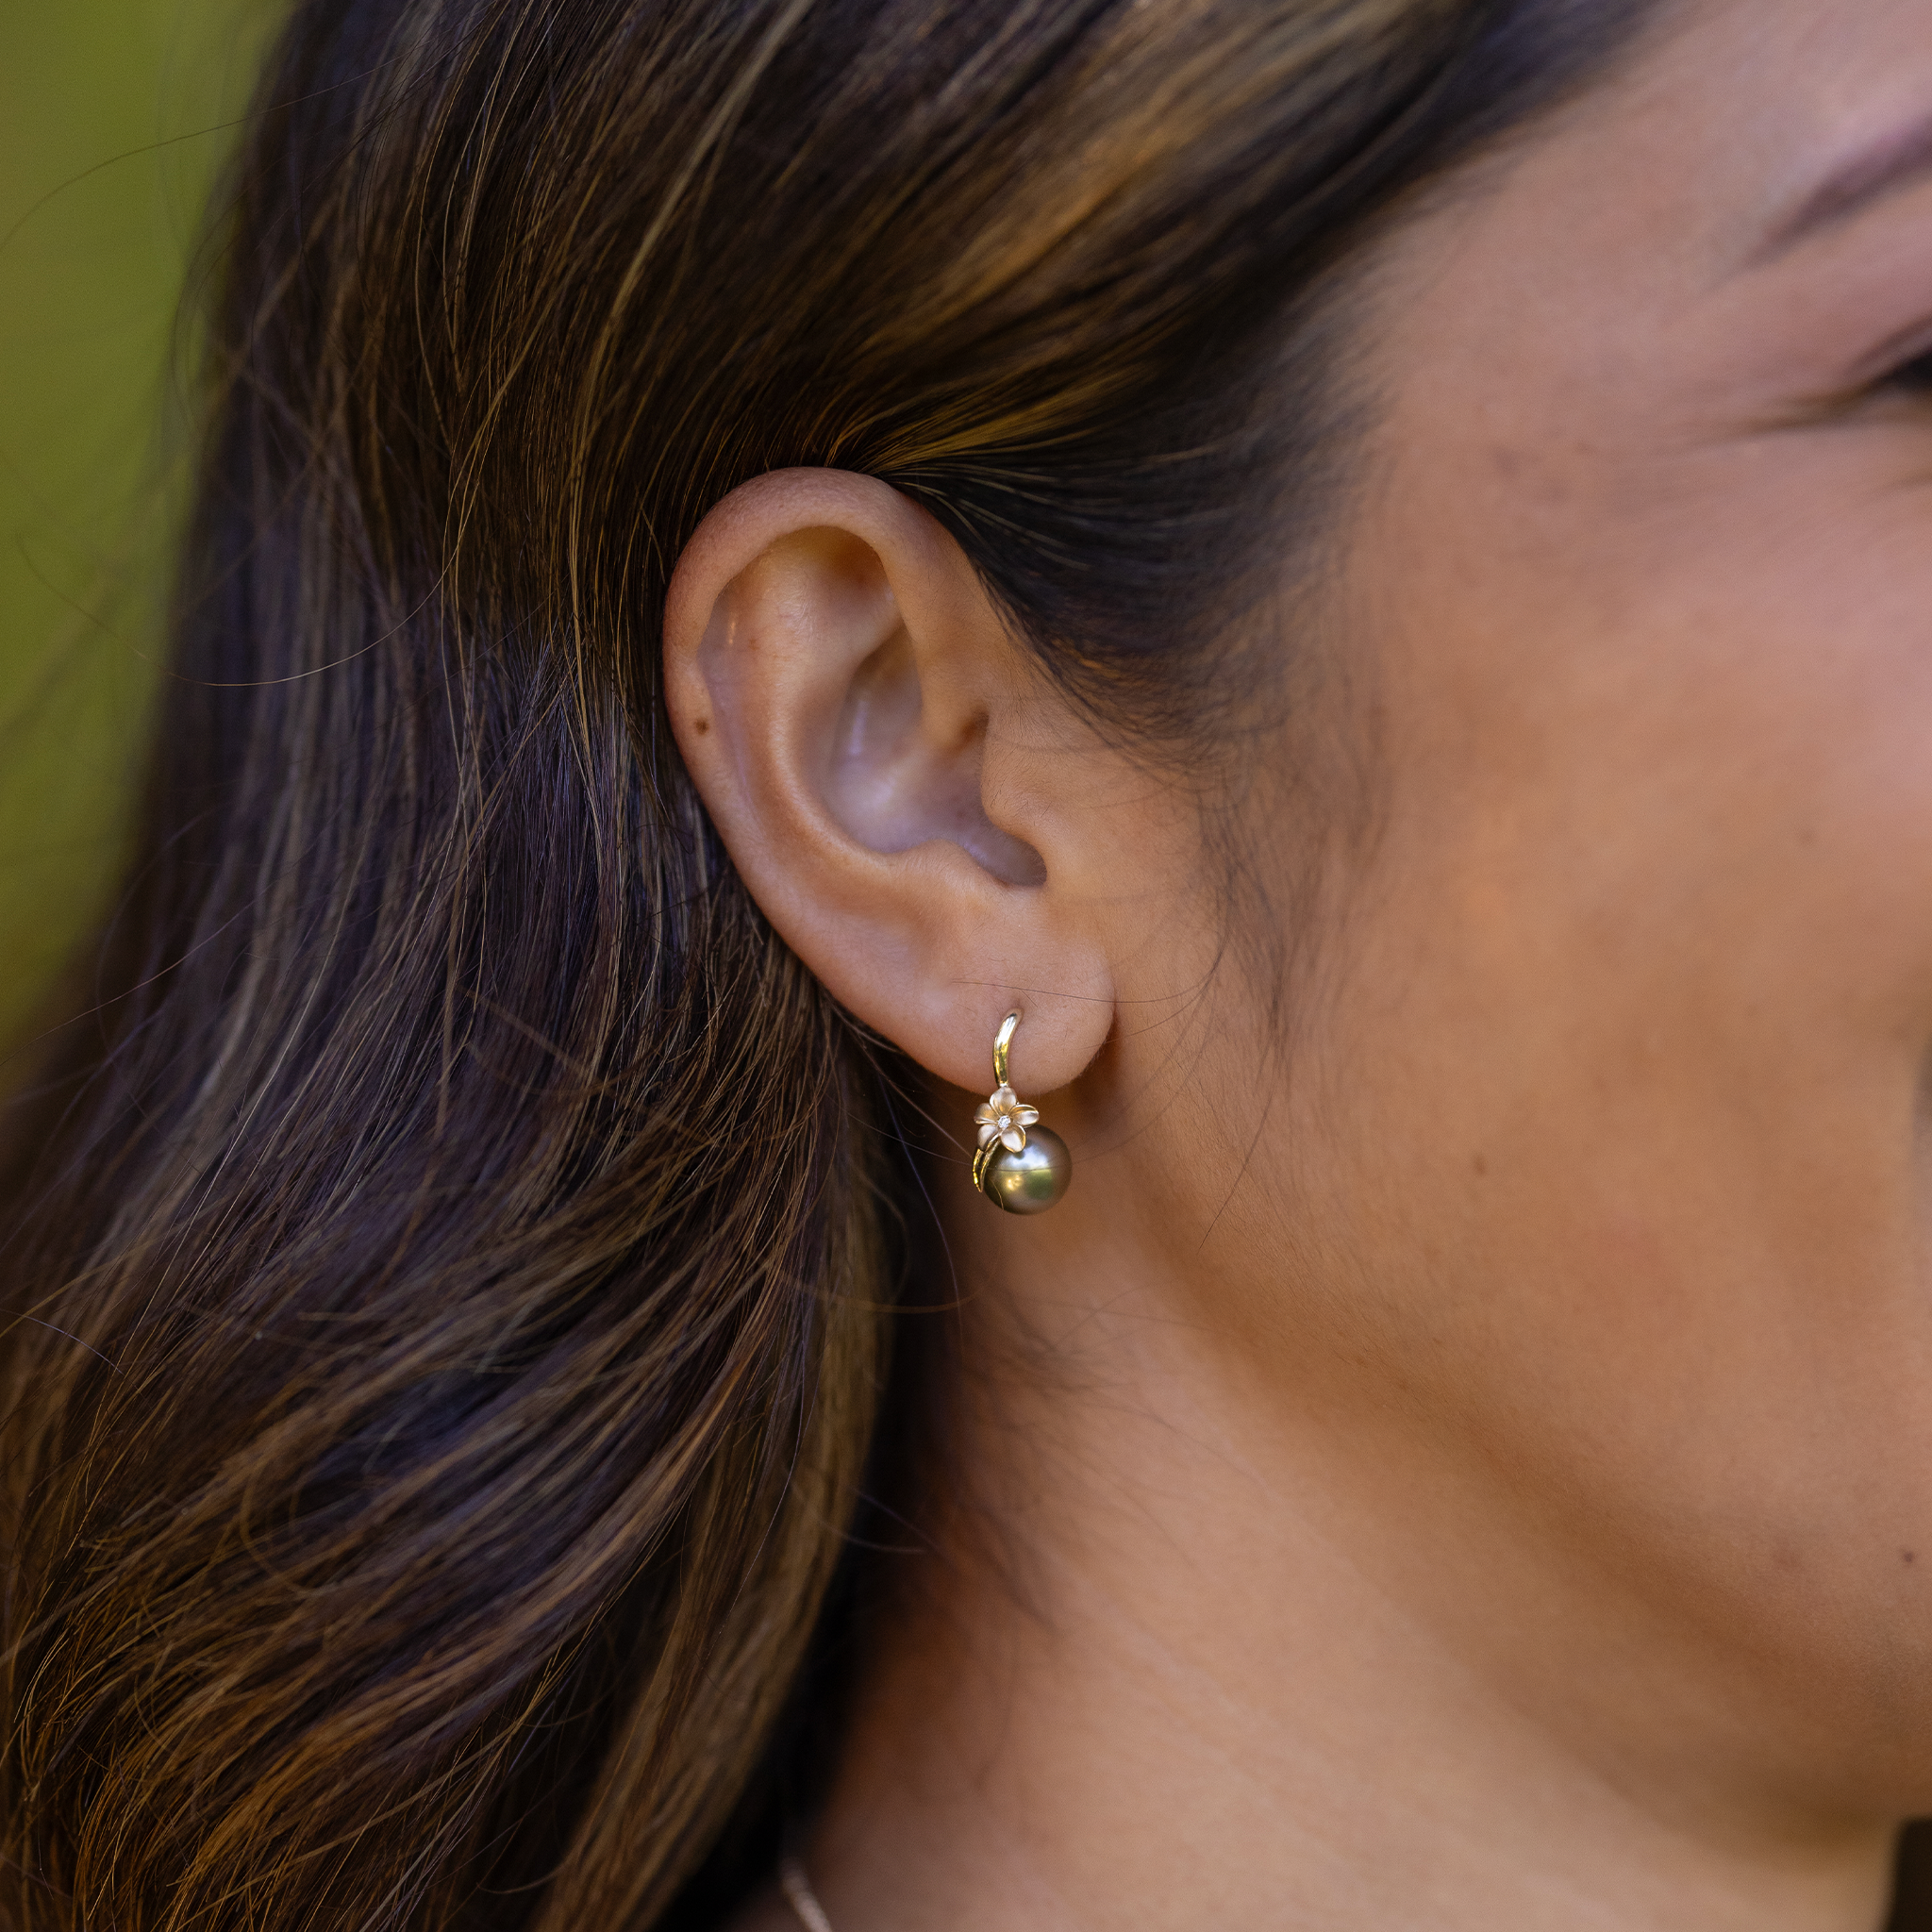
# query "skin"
(1461, 1462)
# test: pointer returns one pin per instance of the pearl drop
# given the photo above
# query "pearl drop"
(1033, 1180)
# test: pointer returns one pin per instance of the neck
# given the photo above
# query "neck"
(1182, 1664)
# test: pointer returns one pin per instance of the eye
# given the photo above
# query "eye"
(1913, 378)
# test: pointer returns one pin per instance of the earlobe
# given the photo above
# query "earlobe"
(837, 678)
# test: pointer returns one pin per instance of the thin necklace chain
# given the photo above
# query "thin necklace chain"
(802, 1898)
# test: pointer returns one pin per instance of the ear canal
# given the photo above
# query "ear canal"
(891, 787)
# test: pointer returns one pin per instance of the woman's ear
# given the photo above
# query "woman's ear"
(898, 789)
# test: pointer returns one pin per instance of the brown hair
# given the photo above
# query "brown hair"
(451, 1269)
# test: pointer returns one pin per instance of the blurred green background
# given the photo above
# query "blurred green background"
(115, 116)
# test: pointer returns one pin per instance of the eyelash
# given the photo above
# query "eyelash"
(1912, 378)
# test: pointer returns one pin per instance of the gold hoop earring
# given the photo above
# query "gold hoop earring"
(1021, 1166)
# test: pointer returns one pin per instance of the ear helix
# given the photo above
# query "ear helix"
(1021, 1166)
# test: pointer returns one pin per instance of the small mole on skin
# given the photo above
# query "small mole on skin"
(1909, 1555)
(703, 727)
(1482, 1166)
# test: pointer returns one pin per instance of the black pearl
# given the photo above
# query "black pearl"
(1032, 1181)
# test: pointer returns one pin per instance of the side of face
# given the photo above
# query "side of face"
(1601, 1185)
(1570, 1207)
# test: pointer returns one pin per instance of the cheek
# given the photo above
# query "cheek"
(1623, 1092)
(1659, 838)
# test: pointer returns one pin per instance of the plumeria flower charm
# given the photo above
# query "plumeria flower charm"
(1024, 1174)
(1004, 1118)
